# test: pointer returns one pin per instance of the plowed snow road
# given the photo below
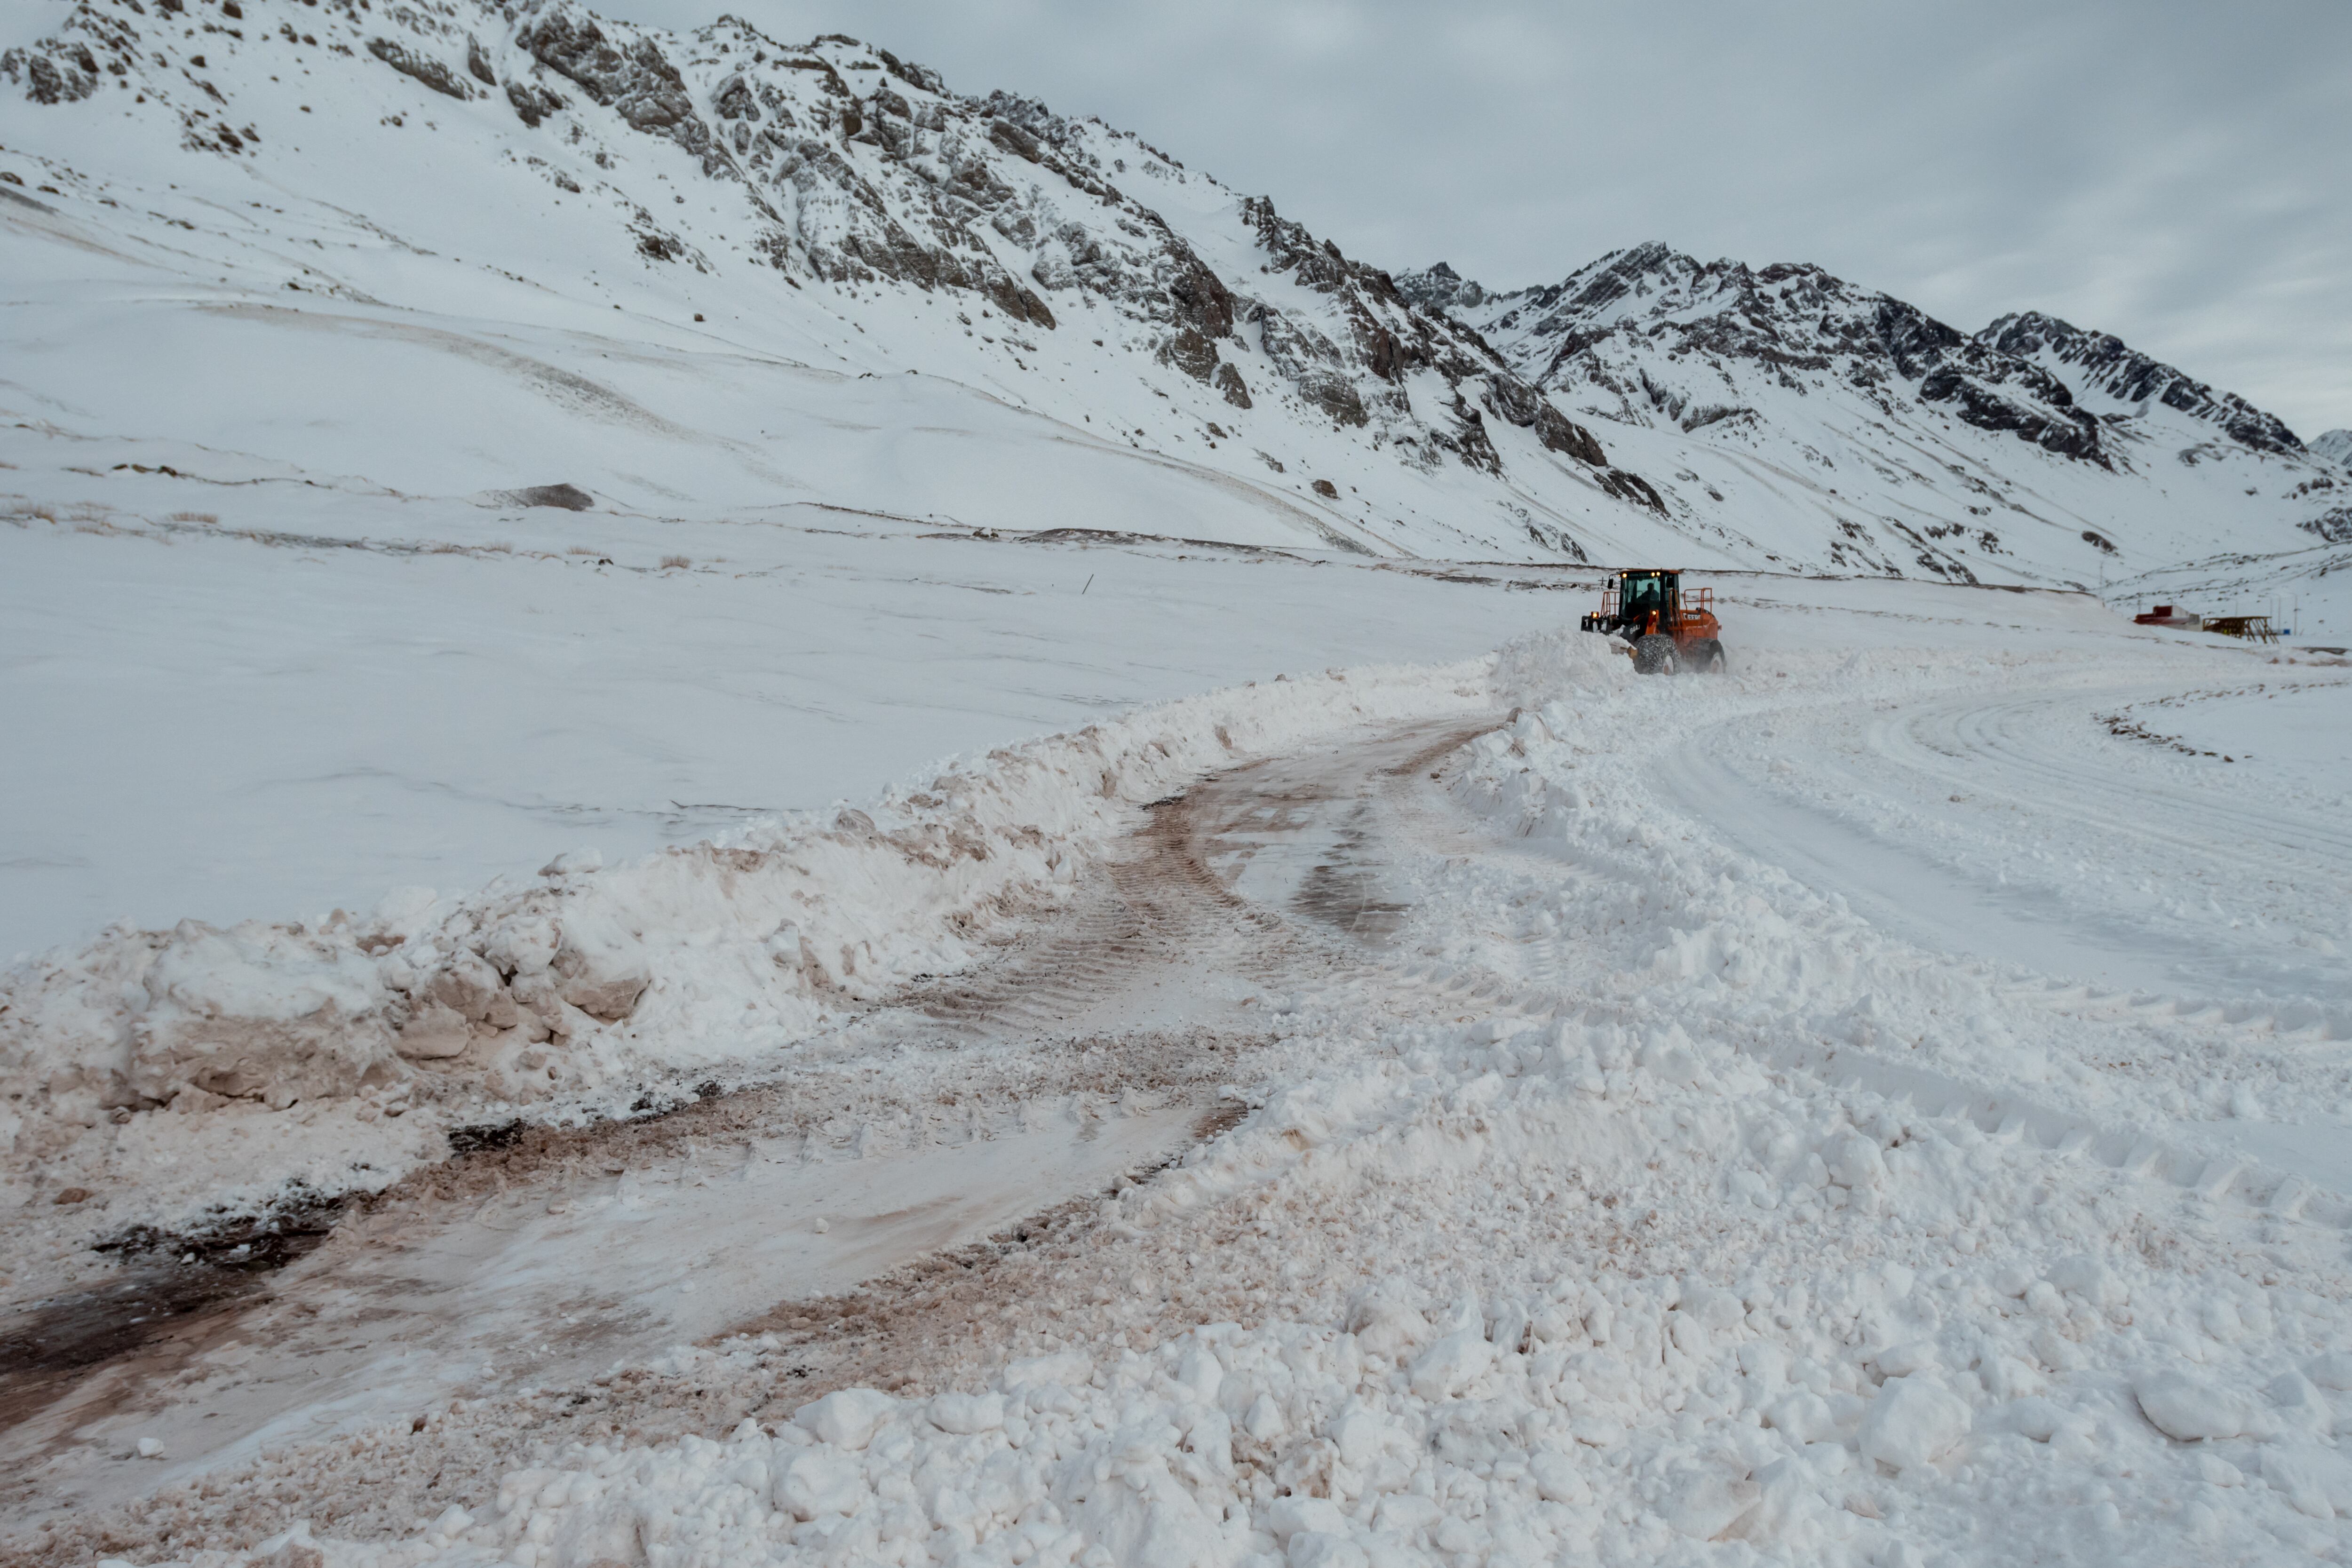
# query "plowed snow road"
(2019, 828)
(1542, 1026)
(1091, 1052)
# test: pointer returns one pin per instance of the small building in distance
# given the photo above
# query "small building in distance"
(2253, 629)
(2164, 615)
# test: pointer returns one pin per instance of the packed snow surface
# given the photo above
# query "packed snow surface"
(1724, 1142)
(396, 699)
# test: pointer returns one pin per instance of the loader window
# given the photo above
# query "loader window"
(1641, 597)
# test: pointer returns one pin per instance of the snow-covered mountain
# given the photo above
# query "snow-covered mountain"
(1772, 401)
(2336, 446)
(467, 252)
(1097, 336)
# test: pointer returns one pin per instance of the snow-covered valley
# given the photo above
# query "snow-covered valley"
(1765, 1110)
(762, 815)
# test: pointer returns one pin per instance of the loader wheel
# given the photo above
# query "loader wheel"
(1707, 659)
(1656, 655)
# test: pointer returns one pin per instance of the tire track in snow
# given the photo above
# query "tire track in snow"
(2011, 736)
(477, 1277)
(2031, 794)
(1554, 978)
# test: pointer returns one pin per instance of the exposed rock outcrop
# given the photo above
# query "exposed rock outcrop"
(2100, 364)
(632, 77)
(1635, 324)
(423, 67)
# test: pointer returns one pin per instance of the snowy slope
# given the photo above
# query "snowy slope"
(452, 252)
(1786, 413)
(2110, 379)
(424, 281)
(439, 253)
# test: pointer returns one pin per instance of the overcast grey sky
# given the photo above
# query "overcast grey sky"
(2180, 174)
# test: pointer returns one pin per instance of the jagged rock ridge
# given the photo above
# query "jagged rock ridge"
(1595, 330)
(2102, 363)
(1749, 358)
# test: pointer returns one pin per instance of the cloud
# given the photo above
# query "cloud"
(2169, 172)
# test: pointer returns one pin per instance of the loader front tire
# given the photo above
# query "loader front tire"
(1656, 655)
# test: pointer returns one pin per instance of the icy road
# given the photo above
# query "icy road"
(1882, 1106)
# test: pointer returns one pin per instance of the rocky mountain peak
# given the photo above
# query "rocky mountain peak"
(1650, 332)
(835, 163)
(1770, 359)
(1439, 288)
(2336, 446)
(2117, 379)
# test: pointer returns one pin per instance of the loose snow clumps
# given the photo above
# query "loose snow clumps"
(1712, 1348)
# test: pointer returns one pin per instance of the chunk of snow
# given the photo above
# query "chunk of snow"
(846, 1418)
(1286, 1516)
(1451, 1364)
(815, 1482)
(2182, 1407)
(964, 1414)
(2316, 1481)
(1558, 1478)
(1913, 1421)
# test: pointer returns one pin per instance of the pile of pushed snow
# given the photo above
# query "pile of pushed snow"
(593, 979)
(1549, 667)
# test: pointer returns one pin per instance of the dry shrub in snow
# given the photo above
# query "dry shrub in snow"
(677, 563)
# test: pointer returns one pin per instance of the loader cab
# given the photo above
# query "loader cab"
(1640, 595)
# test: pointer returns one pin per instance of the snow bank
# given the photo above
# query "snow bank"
(594, 979)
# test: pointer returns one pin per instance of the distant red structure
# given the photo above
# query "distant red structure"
(2163, 615)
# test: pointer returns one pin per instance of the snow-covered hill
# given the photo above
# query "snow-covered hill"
(654, 266)
(455, 251)
(1791, 414)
